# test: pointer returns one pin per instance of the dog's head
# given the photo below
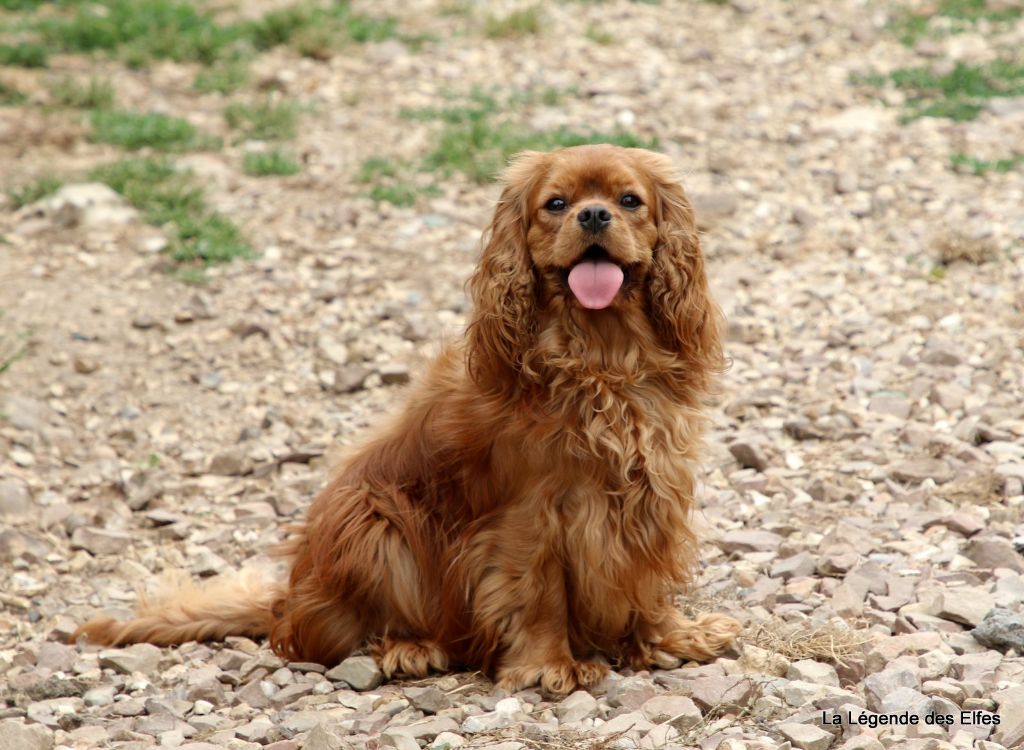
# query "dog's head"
(591, 232)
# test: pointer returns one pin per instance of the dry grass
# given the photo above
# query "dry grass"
(979, 489)
(953, 246)
(799, 640)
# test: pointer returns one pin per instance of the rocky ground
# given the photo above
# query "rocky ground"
(865, 473)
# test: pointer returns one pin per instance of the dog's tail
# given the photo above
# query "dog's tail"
(238, 603)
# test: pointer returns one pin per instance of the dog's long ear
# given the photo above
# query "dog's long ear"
(685, 317)
(503, 288)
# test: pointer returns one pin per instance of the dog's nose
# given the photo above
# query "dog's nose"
(594, 218)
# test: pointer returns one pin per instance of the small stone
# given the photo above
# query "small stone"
(230, 462)
(431, 727)
(258, 730)
(714, 690)
(446, 741)
(624, 724)
(56, 657)
(993, 552)
(395, 738)
(809, 670)
(15, 498)
(678, 710)
(102, 695)
(966, 605)
(393, 374)
(86, 365)
(360, 672)
(1001, 630)
(800, 565)
(100, 541)
(806, 736)
(881, 684)
(15, 735)
(749, 455)
(140, 657)
(576, 707)
(918, 470)
(429, 700)
(743, 540)
(631, 692)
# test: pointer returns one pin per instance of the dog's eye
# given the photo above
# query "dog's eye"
(556, 204)
(630, 201)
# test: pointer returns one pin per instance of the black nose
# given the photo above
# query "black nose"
(594, 218)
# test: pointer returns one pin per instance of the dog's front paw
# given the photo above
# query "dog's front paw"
(560, 678)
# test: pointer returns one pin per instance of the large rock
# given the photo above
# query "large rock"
(806, 736)
(86, 204)
(100, 541)
(678, 710)
(1001, 630)
(15, 735)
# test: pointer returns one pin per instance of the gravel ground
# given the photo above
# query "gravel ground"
(865, 474)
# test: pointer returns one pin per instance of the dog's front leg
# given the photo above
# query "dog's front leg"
(520, 610)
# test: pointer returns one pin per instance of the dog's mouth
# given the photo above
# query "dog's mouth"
(595, 278)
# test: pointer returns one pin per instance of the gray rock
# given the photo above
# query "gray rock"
(395, 738)
(15, 499)
(993, 552)
(140, 657)
(56, 657)
(393, 374)
(749, 455)
(100, 541)
(631, 692)
(880, 684)
(576, 707)
(806, 736)
(809, 670)
(429, 700)
(446, 741)
(743, 540)
(797, 566)
(1001, 630)
(15, 735)
(917, 470)
(360, 672)
(678, 710)
(632, 724)
(967, 605)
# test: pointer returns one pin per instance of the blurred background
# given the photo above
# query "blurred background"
(230, 231)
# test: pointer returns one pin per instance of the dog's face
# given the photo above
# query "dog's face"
(592, 226)
(587, 239)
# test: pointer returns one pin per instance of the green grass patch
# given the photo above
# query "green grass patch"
(169, 198)
(95, 94)
(959, 94)
(519, 23)
(11, 96)
(141, 30)
(949, 17)
(318, 32)
(377, 167)
(599, 36)
(402, 194)
(135, 130)
(263, 121)
(23, 55)
(478, 138)
(982, 166)
(270, 163)
(33, 191)
(222, 77)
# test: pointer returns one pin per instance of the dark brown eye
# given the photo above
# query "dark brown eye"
(556, 205)
(630, 201)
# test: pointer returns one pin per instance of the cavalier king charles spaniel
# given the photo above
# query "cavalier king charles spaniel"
(528, 513)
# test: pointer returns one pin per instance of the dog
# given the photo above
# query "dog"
(529, 512)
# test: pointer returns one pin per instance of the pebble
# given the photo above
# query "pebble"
(360, 672)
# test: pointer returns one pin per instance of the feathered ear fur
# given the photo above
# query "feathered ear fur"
(503, 287)
(685, 317)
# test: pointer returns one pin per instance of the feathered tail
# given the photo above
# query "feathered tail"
(238, 603)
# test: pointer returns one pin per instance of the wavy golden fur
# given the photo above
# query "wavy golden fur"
(529, 512)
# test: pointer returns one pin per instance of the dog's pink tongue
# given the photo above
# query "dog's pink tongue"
(595, 283)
